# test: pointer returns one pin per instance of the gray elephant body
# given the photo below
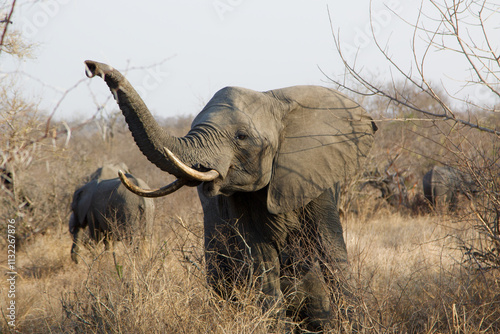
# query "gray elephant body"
(109, 210)
(443, 184)
(270, 212)
(284, 255)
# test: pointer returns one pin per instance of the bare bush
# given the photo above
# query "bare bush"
(461, 132)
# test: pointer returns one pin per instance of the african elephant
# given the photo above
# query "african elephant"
(443, 184)
(267, 166)
(104, 201)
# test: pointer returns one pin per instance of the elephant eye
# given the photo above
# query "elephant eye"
(241, 136)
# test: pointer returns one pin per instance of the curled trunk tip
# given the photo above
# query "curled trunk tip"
(93, 68)
(149, 136)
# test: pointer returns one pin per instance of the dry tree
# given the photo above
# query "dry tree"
(465, 129)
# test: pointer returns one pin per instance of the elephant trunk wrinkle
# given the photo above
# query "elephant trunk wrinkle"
(203, 150)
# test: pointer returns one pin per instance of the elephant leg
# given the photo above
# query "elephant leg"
(267, 280)
(244, 264)
(317, 298)
(107, 244)
(267, 272)
(232, 261)
(309, 298)
(75, 231)
(453, 200)
(320, 257)
(75, 248)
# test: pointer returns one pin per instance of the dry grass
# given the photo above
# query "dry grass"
(407, 272)
(411, 277)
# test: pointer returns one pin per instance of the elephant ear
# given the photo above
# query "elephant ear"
(82, 199)
(325, 138)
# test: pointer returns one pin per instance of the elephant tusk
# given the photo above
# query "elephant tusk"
(189, 172)
(163, 191)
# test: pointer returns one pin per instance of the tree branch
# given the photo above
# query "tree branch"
(6, 22)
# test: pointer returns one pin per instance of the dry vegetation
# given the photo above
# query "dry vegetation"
(409, 270)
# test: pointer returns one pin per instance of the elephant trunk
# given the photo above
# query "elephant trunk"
(148, 135)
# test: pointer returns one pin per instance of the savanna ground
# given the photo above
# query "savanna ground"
(409, 265)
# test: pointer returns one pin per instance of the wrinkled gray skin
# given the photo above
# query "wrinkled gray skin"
(104, 201)
(443, 184)
(272, 212)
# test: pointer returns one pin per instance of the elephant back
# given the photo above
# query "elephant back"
(108, 171)
(445, 181)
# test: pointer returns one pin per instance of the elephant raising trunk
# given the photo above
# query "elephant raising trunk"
(148, 135)
(268, 167)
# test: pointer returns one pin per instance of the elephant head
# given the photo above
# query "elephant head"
(266, 164)
(244, 140)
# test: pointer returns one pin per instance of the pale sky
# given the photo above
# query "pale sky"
(200, 46)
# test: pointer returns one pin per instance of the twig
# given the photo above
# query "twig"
(7, 21)
(423, 85)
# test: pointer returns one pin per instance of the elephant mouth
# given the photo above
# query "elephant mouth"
(214, 188)
(190, 177)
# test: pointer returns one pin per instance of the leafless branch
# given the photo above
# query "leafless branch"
(6, 22)
(448, 26)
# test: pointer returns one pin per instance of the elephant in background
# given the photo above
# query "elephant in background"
(443, 184)
(109, 210)
(267, 166)
(108, 171)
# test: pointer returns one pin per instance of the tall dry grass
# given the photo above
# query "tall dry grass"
(412, 276)
(407, 274)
